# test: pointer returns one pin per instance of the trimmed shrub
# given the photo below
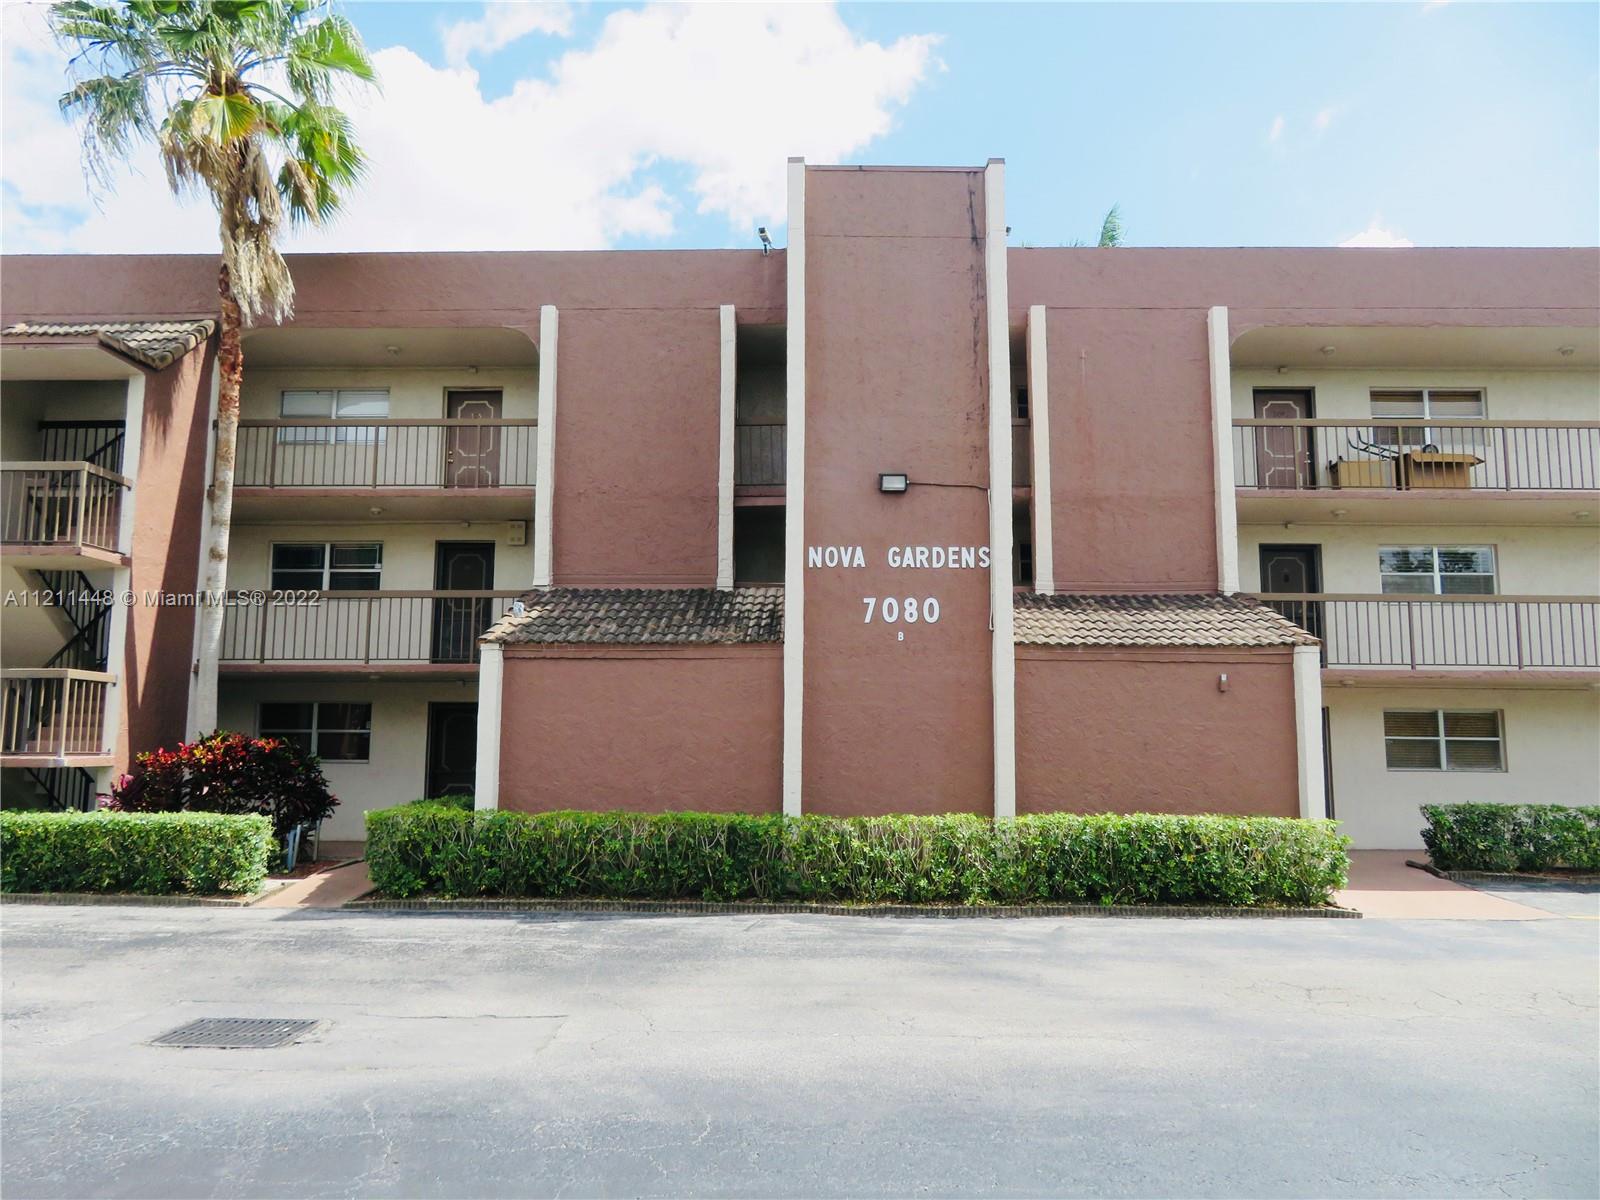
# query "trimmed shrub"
(1512, 837)
(229, 773)
(1143, 858)
(150, 854)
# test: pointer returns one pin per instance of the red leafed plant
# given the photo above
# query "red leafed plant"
(229, 773)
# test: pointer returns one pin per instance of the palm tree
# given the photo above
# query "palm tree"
(237, 96)
(1110, 229)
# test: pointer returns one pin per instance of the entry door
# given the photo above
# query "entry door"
(1283, 456)
(452, 749)
(457, 623)
(1295, 570)
(472, 452)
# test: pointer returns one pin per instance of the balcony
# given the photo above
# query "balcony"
(1506, 640)
(62, 515)
(760, 462)
(313, 468)
(398, 633)
(1400, 470)
(54, 718)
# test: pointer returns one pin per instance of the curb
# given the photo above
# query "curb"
(128, 900)
(691, 908)
(1503, 876)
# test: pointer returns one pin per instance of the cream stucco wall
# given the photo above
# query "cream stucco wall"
(1550, 395)
(1552, 756)
(408, 550)
(26, 402)
(1529, 560)
(397, 770)
(413, 392)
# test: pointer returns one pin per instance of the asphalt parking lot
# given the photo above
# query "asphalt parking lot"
(531, 1055)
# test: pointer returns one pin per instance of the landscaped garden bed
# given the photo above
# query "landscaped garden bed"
(145, 854)
(442, 850)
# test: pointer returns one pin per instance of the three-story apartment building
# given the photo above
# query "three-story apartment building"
(895, 519)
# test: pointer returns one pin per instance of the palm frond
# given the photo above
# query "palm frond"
(1111, 228)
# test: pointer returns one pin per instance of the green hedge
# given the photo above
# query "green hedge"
(144, 853)
(1060, 858)
(1511, 837)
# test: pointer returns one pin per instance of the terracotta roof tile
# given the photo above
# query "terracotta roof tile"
(643, 617)
(1152, 620)
(156, 344)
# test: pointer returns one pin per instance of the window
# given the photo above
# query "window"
(1437, 570)
(1437, 740)
(344, 404)
(327, 566)
(1019, 407)
(1418, 404)
(333, 732)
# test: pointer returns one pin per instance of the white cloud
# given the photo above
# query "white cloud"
(501, 24)
(1325, 117)
(566, 160)
(1276, 131)
(1376, 236)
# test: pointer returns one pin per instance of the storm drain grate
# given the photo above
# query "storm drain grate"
(235, 1033)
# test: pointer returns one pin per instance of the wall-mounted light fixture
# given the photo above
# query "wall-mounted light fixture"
(890, 481)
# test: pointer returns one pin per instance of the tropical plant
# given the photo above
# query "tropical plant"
(237, 95)
(229, 773)
(1110, 229)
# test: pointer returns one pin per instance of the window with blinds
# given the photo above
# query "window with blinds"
(1436, 570)
(341, 404)
(1443, 740)
(1425, 404)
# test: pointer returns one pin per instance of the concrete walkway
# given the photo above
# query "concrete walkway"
(326, 889)
(1381, 885)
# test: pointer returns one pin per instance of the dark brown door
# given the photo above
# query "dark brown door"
(458, 622)
(1283, 454)
(1296, 570)
(452, 749)
(472, 452)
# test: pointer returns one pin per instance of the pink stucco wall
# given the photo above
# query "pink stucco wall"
(1148, 730)
(645, 728)
(896, 380)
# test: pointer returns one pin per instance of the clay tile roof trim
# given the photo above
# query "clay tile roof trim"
(643, 617)
(1152, 620)
(155, 344)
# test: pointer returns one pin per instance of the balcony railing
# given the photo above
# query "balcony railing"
(63, 505)
(1397, 455)
(97, 442)
(444, 452)
(54, 713)
(1399, 632)
(417, 627)
(760, 455)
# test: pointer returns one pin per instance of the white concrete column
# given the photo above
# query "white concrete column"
(1308, 730)
(1003, 646)
(1044, 550)
(203, 686)
(1227, 519)
(794, 517)
(491, 689)
(122, 578)
(544, 480)
(730, 375)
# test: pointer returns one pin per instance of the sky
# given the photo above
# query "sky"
(589, 126)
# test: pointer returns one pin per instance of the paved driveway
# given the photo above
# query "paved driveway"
(800, 1056)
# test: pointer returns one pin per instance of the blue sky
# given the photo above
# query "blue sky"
(1248, 124)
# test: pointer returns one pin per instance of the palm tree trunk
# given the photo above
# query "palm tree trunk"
(230, 369)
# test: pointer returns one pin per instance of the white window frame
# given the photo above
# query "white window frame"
(359, 430)
(328, 568)
(1410, 437)
(1436, 575)
(1442, 742)
(317, 728)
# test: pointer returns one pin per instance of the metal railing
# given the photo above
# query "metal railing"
(54, 713)
(441, 452)
(1447, 632)
(398, 627)
(1400, 455)
(97, 442)
(60, 504)
(760, 455)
